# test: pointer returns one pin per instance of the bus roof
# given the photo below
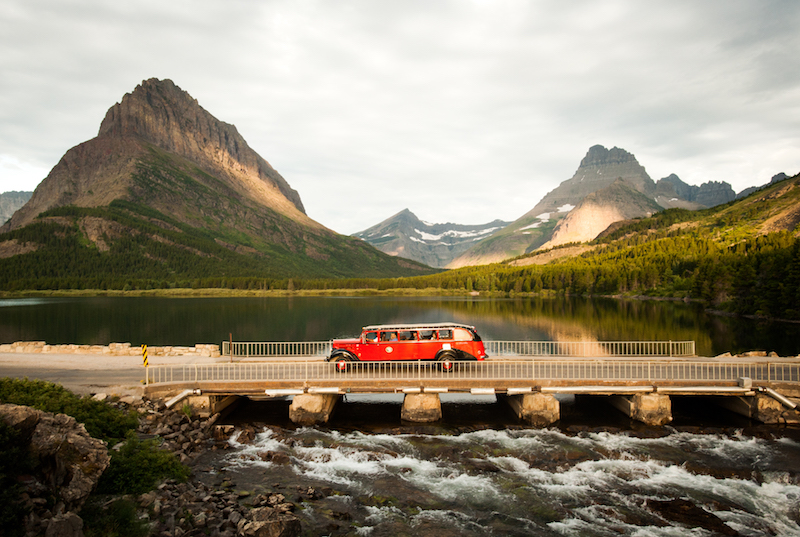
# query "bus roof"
(418, 326)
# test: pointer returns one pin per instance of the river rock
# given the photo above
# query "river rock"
(270, 522)
(686, 512)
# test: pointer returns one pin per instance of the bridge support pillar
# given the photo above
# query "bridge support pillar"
(538, 409)
(649, 408)
(208, 405)
(421, 407)
(312, 408)
(759, 407)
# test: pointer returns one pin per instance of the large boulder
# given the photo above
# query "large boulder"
(68, 463)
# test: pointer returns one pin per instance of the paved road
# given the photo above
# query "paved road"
(116, 381)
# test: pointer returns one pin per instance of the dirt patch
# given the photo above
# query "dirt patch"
(14, 247)
(99, 230)
(786, 220)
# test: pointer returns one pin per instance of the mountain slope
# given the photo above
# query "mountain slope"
(599, 210)
(435, 245)
(163, 171)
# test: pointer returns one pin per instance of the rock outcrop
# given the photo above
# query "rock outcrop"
(672, 192)
(69, 464)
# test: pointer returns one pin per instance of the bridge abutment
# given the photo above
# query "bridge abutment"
(205, 406)
(537, 409)
(312, 408)
(758, 407)
(649, 408)
(421, 407)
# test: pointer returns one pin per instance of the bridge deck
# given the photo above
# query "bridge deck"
(588, 375)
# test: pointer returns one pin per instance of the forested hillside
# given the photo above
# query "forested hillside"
(130, 246)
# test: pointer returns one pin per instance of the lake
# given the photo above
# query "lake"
(186, 321)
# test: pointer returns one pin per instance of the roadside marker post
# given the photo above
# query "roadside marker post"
(144, 355)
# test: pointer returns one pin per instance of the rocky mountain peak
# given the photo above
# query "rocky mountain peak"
(158, 123)
(598, 169)
(162, 114)
(598, 155)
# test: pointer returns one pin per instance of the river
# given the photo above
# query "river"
(479, 472)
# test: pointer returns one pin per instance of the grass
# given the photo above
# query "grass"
(217, 292)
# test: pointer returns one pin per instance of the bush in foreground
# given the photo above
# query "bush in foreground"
(138, 467)
(101, 420)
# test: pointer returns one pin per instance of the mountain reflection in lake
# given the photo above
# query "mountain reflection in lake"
(186, 321)
(477, 473)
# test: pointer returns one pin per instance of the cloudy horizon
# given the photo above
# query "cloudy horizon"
(461, 111)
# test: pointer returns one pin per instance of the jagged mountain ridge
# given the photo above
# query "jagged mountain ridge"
(10, 202)
(168, 179)
(435, 245)
(598, 170)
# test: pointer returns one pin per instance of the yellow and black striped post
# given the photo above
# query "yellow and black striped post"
(144, 354)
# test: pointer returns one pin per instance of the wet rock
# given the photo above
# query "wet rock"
(247, 435)
(481, 466)
(687, 513)
(275, 457)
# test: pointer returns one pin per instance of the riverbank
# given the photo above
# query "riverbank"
(235, 293)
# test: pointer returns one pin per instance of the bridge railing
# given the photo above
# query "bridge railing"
(249, 349)
(577, 349)
(581, 349)
(395, 373)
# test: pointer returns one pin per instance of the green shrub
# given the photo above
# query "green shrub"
(102, 420)
(115, 519)
(138, 467)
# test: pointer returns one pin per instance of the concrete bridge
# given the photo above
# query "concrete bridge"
(639, 384)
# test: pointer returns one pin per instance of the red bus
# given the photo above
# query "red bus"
(443, 342)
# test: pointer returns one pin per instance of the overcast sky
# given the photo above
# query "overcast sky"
(461, 111)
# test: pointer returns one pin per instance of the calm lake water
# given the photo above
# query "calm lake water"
(186, 321)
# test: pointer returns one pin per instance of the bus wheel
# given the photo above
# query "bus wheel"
(342, 362)
(447, 362)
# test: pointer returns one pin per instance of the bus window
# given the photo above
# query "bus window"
(446, 334)
(371, 337)
(427, 334)
(407, 335)
(388, 336)
(462, 335)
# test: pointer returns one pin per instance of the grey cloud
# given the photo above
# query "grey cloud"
(490, 104)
